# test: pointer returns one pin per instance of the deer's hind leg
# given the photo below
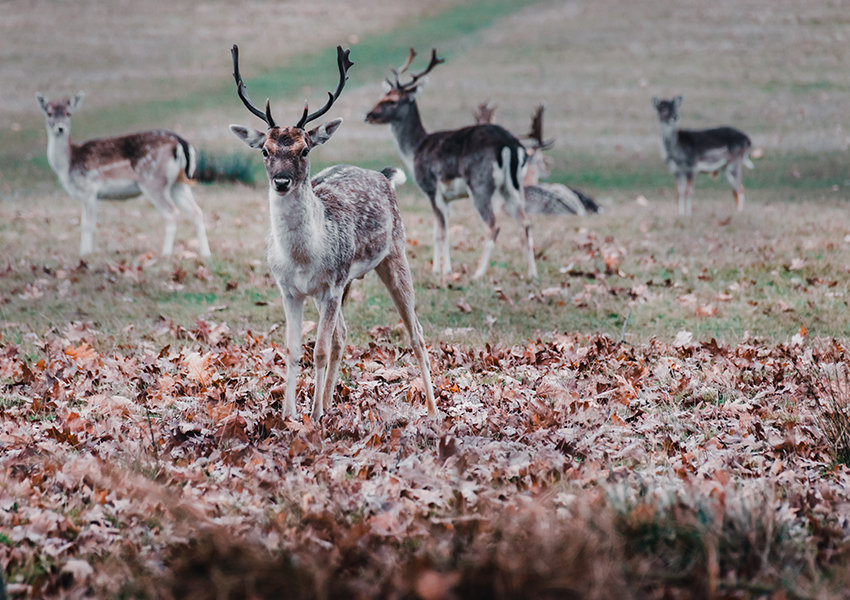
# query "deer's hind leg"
(183, 198)
(394, 271)
(515, 206)
(482, 197)
(734, 175)
(157, 191)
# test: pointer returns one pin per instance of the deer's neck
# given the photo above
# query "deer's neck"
(59, 154)
(408, 133)
(297, 220)
(669, 140)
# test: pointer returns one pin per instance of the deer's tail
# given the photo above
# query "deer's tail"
(396, 176)
(190, 159)
(514, 163)
(589, 203)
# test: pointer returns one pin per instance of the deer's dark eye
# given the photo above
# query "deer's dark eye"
(305, 152)
(265, 153)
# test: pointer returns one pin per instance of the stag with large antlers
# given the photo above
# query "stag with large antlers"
(543, 198)
(324, 234)
(157, 164)
(478, 161)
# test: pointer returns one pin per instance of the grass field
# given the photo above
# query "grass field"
(645, 421)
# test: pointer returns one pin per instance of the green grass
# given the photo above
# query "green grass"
(791, 171)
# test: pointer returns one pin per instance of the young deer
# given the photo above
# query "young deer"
(691, 151)
(324, 234)
(543, 198)
(476, 161)
(157, 164)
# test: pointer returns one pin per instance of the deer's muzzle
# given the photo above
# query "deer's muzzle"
(282, 183)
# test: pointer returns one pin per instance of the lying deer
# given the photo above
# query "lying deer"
(157, 164)
(477, 161)
(324, 234)
(691, 151)
(543, 198)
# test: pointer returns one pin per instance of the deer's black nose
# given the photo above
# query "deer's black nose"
(282, 183)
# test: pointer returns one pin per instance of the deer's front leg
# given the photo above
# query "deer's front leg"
(294, 309)
(681, 187)
(88, 223)
(689, 192)
(442, 260)
(328, 311)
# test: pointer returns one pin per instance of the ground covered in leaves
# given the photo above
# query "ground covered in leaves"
(570, 466)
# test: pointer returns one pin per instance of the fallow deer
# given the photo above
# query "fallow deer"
(156, 164)
(324, 234)
(478, 161)
(691, 151)
(543, 198)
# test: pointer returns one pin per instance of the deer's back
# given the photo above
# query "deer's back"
(703, 140)
(458, 153)
(138, 150)
(361, 208)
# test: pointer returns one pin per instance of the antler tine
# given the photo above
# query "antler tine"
(243, 94)
(434, 62)
(344, 64)
(536, 132)
(408, 62)
(485, 112)
(403, 68)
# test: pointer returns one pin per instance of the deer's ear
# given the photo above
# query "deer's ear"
(678, 100)
(655, 102)
(76, 102)
(250, 137)
(42, 102)
(420, 85)
(323, 132)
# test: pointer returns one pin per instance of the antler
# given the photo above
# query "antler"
(404, 67)
(485, 112)
(410, 84)
(243, 94)
(344, 64)
(536, 132)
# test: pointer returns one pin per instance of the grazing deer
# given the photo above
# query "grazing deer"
(157, 164)
(324, 234)
(543, 198)
(691, 151)
(477, 161)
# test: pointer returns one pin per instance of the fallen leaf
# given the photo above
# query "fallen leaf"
(307, 327)
(501, 295)
(707, 310)
(198, 368)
